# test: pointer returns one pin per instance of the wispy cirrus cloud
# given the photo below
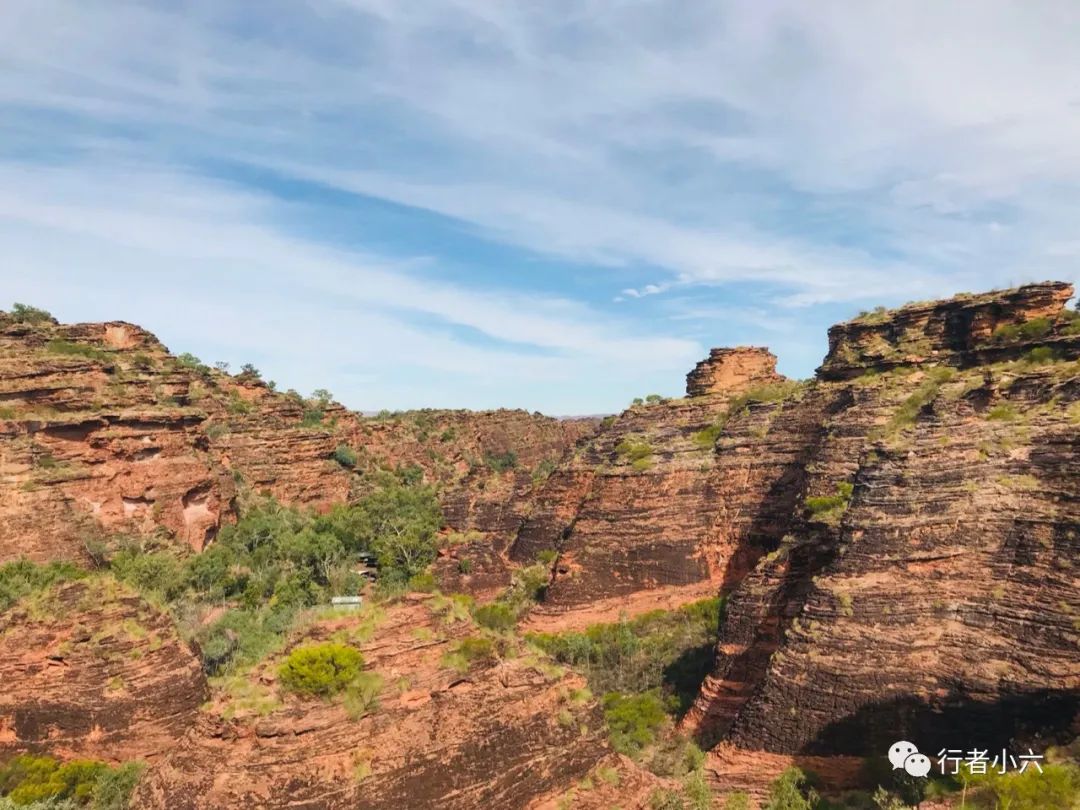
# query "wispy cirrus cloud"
(515, 198)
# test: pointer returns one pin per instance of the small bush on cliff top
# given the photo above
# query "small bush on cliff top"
(320, 669)
(24, 313)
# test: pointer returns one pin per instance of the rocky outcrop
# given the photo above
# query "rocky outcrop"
(962, 331)
(957, 558)
(637, 511)
(925, 583)
(497, 735)
(91, 670)
(728, 370)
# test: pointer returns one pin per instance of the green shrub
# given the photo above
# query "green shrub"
(58, 346)
(320, 669)
(28, 780)
(424, 582)
(790, 791)
(1003, 412)
(495, 616)
(312, 417)
(501, 462)
(115, 786)
(345, 456)
(634, 450)
(1029, 330)
(1057, 787)
(827, 504)
(543, 470)
(1070, 319)
(158, 574)
(707, 437)
(476, 649)
(362, 695)
(633, 720)
(1040, 355)
(698, 794)
(24, 313)
(671, 651)
(547, 556)
(22, 578)
(464, 565)
(737, 801)
(666, 799)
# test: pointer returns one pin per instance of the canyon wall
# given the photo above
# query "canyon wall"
(898, 540)
(633, 513)
(102, 432)
(926, 583)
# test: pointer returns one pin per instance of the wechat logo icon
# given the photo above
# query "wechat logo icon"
(905, 756)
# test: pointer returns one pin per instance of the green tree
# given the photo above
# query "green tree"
(790, 791)
(320, 669)
(398, 523)
(24, 313)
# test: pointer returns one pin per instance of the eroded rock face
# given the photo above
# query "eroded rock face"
(102, 431)
(91, 670)
(496, 736)
(938, 601)
(638, 511)
(728, 370)
(942, 607)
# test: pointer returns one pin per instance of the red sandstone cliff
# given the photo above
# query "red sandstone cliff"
(103, 431)
(899, 540)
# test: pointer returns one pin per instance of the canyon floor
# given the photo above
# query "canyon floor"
(745, 594)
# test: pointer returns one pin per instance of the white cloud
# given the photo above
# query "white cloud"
(823, 152)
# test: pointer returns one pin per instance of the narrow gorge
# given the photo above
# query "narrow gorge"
(890, 550)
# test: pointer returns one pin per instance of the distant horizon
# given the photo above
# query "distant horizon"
(556, 207)
(369, 411)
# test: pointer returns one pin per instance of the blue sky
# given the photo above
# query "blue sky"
(556, 206)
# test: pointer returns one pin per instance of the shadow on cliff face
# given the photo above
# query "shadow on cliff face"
(759, 612)
(1015, 722)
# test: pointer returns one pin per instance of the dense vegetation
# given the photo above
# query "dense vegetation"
(666, 651)
(276, 561)
(20, 578)
(41, 781)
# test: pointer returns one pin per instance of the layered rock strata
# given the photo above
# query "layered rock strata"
(634, 513)
(91, 670)
(102, 432)
(497, 735)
